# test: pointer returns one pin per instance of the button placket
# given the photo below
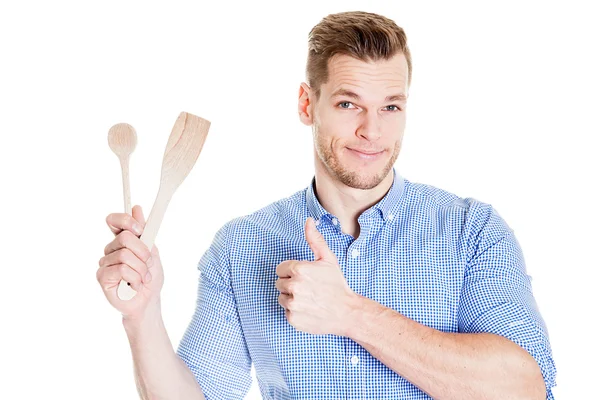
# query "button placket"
(356, 376)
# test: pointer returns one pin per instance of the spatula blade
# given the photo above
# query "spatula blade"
(183, 148)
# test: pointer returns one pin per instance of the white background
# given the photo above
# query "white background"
(503, 108)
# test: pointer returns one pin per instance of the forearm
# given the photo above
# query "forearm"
(446, 365)
(159, 373)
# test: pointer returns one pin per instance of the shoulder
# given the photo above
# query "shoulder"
(435, 199)
(442, 209)
(274, 219)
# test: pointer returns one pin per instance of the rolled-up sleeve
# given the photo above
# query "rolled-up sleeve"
(213, 346)
(497, 297)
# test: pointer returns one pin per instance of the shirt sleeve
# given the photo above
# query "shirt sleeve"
(213, 346)
(497, 296)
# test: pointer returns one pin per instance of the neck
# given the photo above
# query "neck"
(345, 202)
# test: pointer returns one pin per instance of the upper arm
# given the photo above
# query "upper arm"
(497, 297)
(213, 346)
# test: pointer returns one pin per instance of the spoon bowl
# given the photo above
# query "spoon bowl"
(122, 140)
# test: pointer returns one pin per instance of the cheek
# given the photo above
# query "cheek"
(394, 128)
(335, 130)
(333, 117)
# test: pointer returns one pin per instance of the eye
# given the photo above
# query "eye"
(392, 105)
(344, 104)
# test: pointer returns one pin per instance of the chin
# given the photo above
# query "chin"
(356, 172)
(362, 178)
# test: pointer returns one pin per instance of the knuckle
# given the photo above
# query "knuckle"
(291, 304)
(122, 256)
(125, 220)
(146, 254)
(299, 269)
(123, 269)
(123, 236)
(291, 287)
(107, 249)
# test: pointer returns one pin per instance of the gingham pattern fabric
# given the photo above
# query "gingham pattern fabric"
(450, 263)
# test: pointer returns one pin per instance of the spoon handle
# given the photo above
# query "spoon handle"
(125, 292)
(126, 187)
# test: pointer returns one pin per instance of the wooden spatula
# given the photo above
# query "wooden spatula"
(182, 151)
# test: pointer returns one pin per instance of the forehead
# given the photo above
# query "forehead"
(346, 71)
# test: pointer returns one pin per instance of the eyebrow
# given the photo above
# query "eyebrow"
(351, 94)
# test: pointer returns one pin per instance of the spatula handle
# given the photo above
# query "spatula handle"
(126, 292)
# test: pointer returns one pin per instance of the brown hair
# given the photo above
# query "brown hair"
(362, 35)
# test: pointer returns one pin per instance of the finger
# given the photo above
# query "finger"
(118, 222)
(126, 239)
(285, 300)
(125, 256)
(285, 269)
(317, 242)
(138, 215)
(110, 277)
(284, 285)
(130, 276)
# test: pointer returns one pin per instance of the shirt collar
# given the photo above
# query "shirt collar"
(387, 206)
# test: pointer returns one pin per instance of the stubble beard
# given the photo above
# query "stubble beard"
(351, 178)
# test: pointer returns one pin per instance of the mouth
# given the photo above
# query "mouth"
(366, 154)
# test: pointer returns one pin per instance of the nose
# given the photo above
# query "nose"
(369, 128)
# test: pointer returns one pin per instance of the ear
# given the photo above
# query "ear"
(305, 107)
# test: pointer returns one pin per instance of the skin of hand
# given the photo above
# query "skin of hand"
(128, 258)
(315, 294)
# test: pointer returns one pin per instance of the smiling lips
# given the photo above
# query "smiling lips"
(366, 154)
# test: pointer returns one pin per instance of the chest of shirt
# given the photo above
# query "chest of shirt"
(417, 275)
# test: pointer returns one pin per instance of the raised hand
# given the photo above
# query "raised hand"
(128, 258)
(315, 294)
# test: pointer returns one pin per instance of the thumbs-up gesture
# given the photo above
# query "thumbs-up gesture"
(315, 294)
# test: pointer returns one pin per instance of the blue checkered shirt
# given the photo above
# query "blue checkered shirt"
(449, 263)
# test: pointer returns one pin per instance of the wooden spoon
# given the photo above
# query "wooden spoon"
(122, 141)
(182, 151)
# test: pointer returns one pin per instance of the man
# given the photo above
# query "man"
(362, 286)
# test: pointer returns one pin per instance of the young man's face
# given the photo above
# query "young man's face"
(358, 122)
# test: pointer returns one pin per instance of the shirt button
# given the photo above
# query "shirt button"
(317, 222)
(354, 360)
(335, 221)
(390, 216)
(355, 253)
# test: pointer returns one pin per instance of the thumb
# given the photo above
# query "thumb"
(138, 215)
(317, 242)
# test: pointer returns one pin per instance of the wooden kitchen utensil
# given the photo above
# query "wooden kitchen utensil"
(182, 151)
(122, 141)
